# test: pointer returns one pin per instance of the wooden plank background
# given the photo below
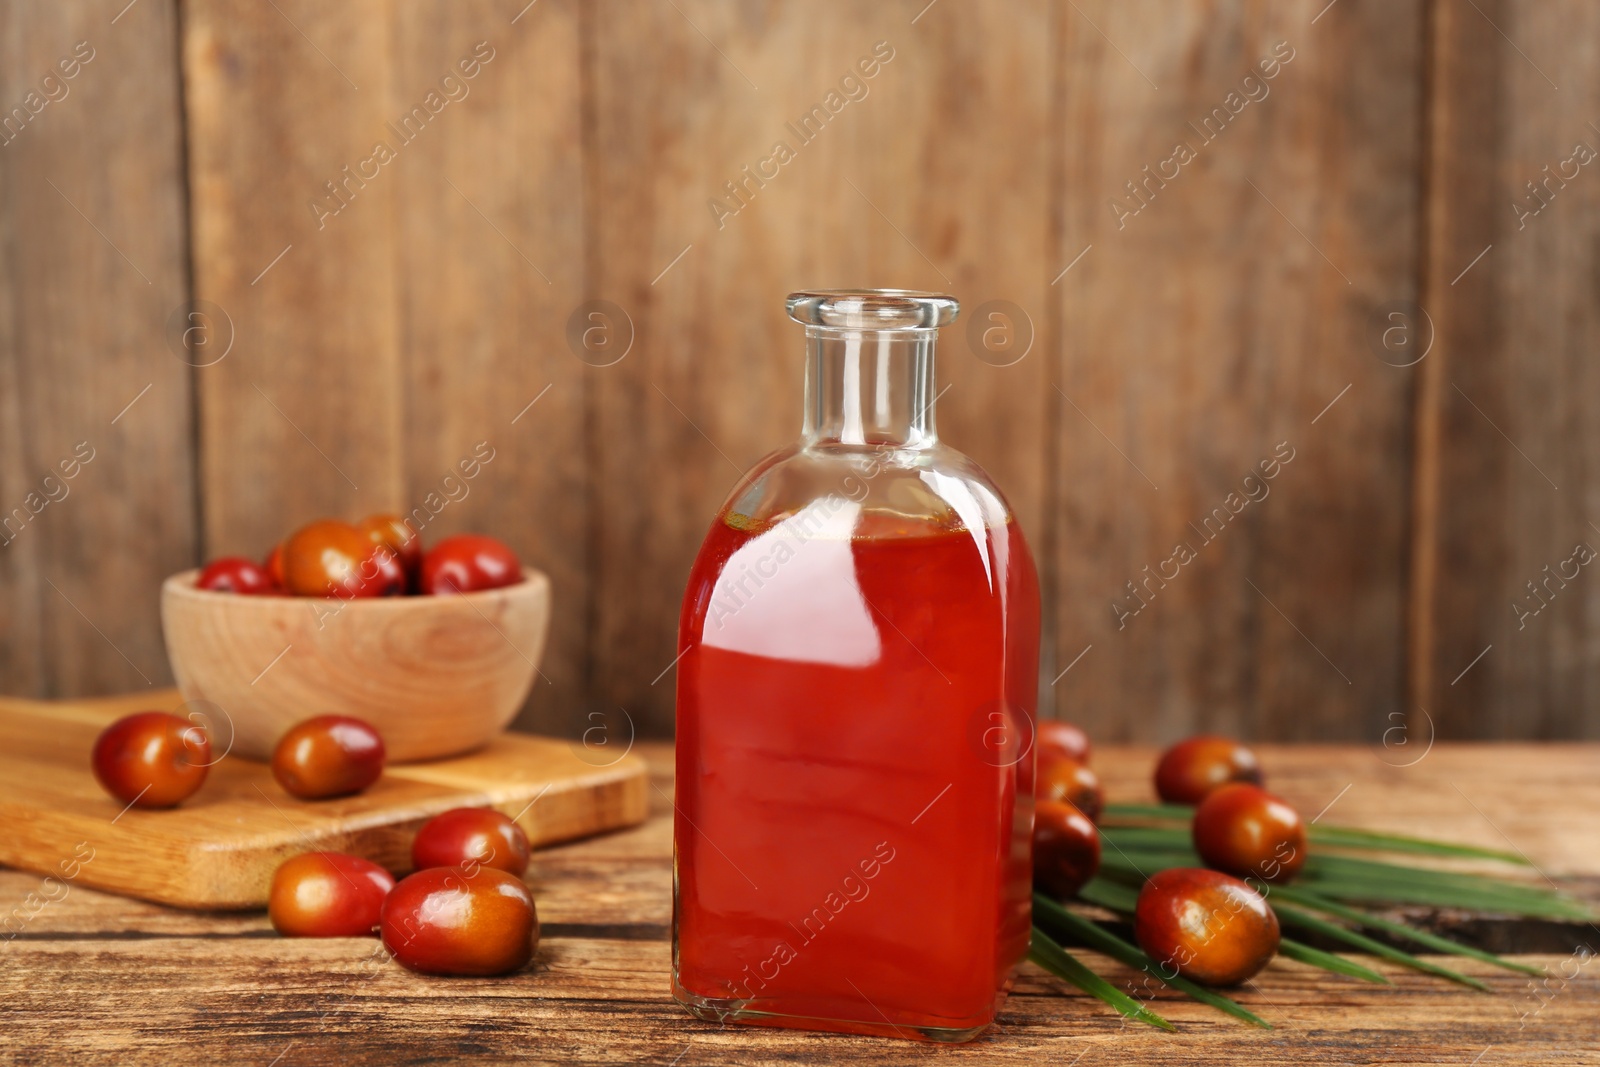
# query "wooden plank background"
(93, 251)
(1338, 283)
(1509, 437)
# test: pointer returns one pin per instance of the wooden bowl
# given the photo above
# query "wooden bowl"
(436, 675)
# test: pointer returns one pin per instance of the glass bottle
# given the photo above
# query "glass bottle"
(855, 709)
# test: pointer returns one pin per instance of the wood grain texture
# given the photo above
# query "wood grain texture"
(312, 385)
(1219, 311)
(220, 847)
(684, 99)
(491, 245)
(422, 303)
(113, 980)
(382, 329)
(604, 1001)
(92, 246)
(1507, 433)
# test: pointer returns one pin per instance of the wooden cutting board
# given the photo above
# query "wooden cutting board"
(219, 848)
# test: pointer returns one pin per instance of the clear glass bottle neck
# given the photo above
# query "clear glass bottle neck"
(869, 387)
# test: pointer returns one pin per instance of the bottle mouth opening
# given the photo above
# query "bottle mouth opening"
(872, 309)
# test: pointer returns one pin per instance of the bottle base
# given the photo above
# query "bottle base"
(728, 1012)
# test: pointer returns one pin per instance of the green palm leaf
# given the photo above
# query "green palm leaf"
(1292, 916)
(1328, 961)
(1375, 922)
(1065, 966)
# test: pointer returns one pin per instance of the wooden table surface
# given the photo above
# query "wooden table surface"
(92, 977)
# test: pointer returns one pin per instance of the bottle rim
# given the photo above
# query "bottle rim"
(872, 309)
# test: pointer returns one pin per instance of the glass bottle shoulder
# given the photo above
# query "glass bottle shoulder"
(822, 554)
(868, 491)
